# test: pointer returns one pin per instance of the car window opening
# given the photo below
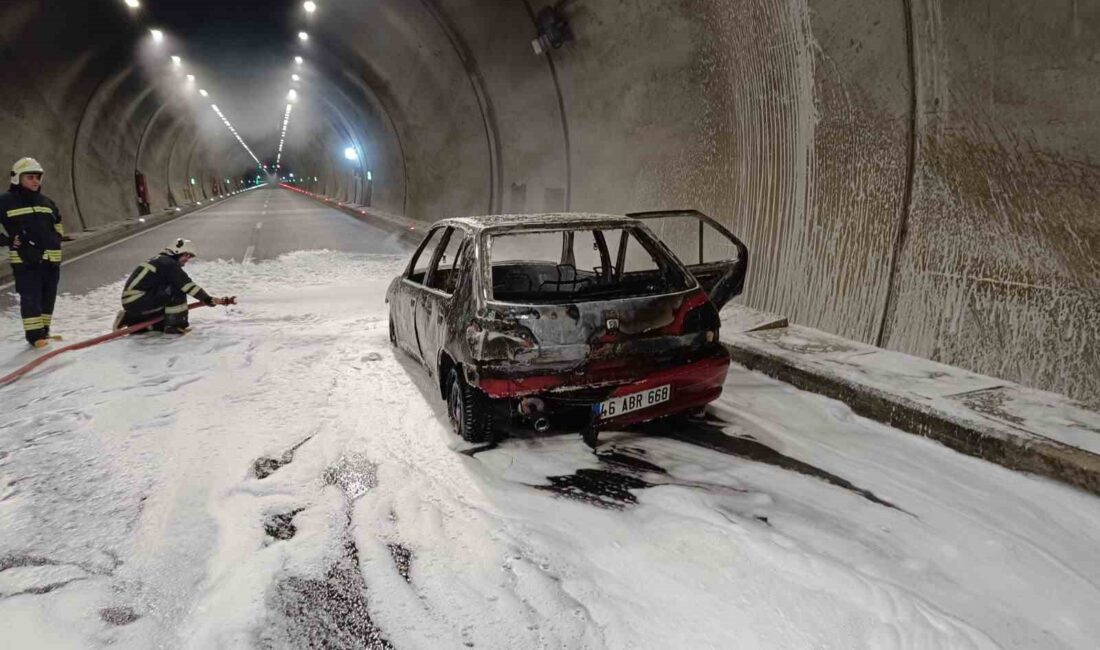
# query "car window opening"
(580, 264)
(418, 268)
(444, 276)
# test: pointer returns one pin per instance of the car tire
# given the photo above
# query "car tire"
(468, 410)
(393, 333)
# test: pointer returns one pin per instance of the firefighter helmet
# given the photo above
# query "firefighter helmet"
(182, 247)
(25, 166)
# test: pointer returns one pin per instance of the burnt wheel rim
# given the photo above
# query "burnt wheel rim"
(455, 406)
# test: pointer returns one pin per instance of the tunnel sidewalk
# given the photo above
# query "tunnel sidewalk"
(1018, 427)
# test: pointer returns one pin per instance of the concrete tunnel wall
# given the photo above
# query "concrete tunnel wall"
(912, 173)
(75, 100)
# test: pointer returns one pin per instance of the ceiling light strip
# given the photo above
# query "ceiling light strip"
(234, 132)
(282, 137)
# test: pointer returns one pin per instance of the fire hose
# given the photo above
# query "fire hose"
(119, 333)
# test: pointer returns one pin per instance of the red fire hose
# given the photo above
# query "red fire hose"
(7, 379)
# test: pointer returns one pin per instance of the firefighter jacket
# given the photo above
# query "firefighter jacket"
(164, 275)
(36, 220)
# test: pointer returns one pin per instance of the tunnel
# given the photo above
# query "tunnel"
(918, 175)
(577, 324)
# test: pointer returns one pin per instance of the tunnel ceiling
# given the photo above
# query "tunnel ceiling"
(918, 174)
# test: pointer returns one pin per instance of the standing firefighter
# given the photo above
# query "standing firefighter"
(161, 287)
(30, 226)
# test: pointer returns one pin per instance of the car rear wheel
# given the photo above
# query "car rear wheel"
(468, 410)
(393, 333)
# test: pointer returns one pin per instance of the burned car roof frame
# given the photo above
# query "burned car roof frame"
(563, 222)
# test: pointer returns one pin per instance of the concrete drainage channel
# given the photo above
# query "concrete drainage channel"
(88, 241)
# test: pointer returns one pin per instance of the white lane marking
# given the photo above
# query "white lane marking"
(251, 247)
(116, 243)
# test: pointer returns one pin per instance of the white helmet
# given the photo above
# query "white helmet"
(25, 166)
(182, 247)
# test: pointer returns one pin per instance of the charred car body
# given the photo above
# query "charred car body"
(569, 321)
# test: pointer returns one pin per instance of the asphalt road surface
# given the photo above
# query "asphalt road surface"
(257, 225)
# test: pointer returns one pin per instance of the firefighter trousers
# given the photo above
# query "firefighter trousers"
(37, 288)
(168, 301)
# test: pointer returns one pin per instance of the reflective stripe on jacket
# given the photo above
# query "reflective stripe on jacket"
(35, 219)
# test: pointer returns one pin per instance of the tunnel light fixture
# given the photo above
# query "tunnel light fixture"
(232, 130)
(370, 175)
(191, 78)
(176, 60)
(133, 4)
(309, 6)
(295, 77)
(158, 36)
(351, 154)
(203, 93)
(302, 36)
(292, 96)
(299, 60)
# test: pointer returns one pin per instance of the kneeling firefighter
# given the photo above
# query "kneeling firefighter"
(160, 286)
(30, 226)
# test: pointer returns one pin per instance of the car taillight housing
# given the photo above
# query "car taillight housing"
(703, 318)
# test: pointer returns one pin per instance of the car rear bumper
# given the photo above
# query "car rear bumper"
(693, 385)
(570, 404)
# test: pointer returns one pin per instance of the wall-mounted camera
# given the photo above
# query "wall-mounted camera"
(553, 29)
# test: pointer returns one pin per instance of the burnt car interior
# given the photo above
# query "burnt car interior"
(580, 264)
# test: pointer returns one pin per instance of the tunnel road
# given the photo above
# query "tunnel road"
(257, 225)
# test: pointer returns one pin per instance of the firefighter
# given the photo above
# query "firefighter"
(30, 226)
(160, 287)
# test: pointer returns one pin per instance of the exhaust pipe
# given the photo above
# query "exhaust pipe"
(542, 425)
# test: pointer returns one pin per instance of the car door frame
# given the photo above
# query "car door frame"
(730, 274)
(435, 306)
(408, 297)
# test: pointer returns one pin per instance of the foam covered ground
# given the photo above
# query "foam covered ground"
(281, 477)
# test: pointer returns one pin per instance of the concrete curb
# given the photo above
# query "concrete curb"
(410, 230)
(1048, 458)
(89, 241)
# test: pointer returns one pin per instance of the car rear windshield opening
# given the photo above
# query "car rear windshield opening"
(580, 264)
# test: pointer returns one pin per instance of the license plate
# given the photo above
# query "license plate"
(624, 404)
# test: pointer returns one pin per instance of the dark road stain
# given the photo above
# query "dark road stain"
(118, 615)
(473, 451)
(629, 461)
(265, 466)
(13, 561)
(707, 435)
(402, 559)
(598, 487)
(281, 526)
(42, 589)
(329, 612)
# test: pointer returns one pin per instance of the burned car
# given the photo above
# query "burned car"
(569, 321)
